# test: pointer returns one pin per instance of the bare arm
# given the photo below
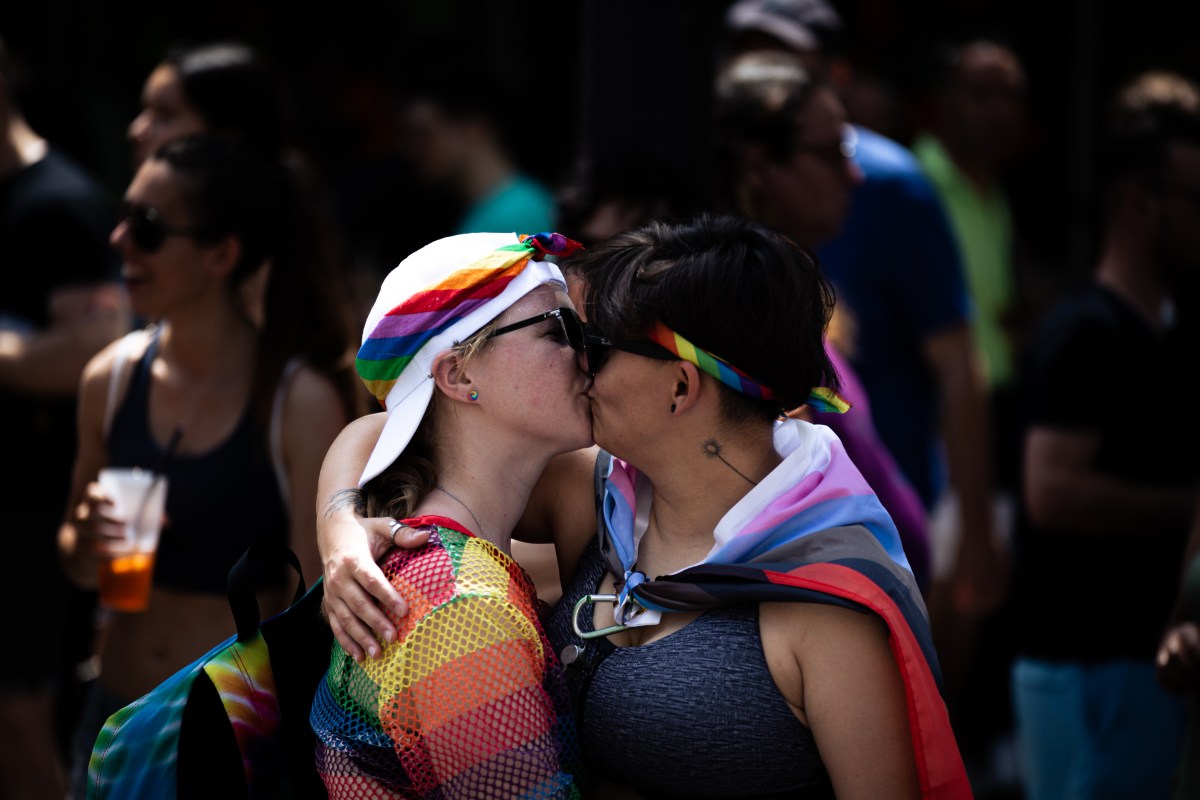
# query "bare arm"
(313, 416)
(840, 677)
(1064, 491)
(561, 509)
(349, 545)
(980, 576)
(50, 362)
(86, 521)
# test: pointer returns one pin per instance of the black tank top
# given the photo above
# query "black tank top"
(695, 714)
(218, 503)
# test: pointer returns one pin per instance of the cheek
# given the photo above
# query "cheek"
(539, 385)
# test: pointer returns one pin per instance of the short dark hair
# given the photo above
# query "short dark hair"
(1148, 114)
(235, 90)
(736, 288)
(758, 98)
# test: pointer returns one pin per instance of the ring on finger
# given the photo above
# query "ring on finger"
(396, 526)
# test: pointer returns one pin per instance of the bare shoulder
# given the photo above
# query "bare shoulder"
(821, 628)
(98, 373)
(807, 642)
(309, 389)
(562, 508)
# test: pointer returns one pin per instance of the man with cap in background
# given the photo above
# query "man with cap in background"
(898, 272)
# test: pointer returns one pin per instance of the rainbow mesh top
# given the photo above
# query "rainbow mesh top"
(469, 702)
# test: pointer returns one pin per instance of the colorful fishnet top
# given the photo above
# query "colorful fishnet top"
(469, 702)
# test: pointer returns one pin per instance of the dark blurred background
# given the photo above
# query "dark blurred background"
(607, 78)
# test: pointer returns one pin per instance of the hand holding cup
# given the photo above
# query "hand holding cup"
(138, 499)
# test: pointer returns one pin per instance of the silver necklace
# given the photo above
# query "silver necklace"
(448, 493)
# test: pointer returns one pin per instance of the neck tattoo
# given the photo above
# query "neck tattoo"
(448, 493)
(712, 449)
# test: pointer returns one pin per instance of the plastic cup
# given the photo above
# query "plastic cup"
(139, 497)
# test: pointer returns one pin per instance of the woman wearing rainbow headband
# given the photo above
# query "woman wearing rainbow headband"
(468, 338)
(715, 624)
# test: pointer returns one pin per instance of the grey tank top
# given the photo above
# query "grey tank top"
(695, 714)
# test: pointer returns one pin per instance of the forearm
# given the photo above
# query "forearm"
(50, 363)
(338, 498)
(967, 436)
(1092, 504)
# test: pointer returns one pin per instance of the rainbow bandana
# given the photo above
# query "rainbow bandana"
(435, 298)
(821, 398)
(714, 365)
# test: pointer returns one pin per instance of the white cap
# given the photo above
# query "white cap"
(437, 297)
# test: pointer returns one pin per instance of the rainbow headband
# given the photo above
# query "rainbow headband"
(820, 398)
(401, 333)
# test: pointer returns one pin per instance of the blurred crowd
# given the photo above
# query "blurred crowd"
(1053, 532)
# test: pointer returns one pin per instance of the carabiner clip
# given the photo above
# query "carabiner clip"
(593, 599)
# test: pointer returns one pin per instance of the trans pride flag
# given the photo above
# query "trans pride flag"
(811, 531)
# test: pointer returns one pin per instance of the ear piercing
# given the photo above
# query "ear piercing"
(472, 395)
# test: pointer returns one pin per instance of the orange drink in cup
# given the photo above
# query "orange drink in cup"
(139, 497)
(125, 581)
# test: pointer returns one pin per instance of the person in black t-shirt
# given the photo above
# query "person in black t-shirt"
(1108, 495)
(59, 306)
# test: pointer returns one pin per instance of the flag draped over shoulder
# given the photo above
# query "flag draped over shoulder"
(811, 531)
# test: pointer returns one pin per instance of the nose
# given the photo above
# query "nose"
(581, 360)
(136, 131)
(119, 235)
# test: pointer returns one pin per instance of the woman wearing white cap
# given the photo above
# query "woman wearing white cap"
(740, 616)
(471, 347)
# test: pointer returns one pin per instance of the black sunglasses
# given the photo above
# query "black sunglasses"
(568, 322)
(599, 347)
(147, 230)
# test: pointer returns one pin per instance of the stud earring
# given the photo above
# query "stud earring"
(672, 408)
(472, 395)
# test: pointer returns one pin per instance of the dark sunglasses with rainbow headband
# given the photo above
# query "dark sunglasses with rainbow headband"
(147, 230)
(667, 345)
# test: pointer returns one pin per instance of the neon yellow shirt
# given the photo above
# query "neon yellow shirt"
(983, 228)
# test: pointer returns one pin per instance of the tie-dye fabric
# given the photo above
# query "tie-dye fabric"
(468, 702)
(137, 753)
(811, 531)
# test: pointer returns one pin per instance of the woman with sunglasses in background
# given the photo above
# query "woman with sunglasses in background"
(472, 348)
(716, 615)
(235, 413)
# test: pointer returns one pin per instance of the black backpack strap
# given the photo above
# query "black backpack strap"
(241, 584)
